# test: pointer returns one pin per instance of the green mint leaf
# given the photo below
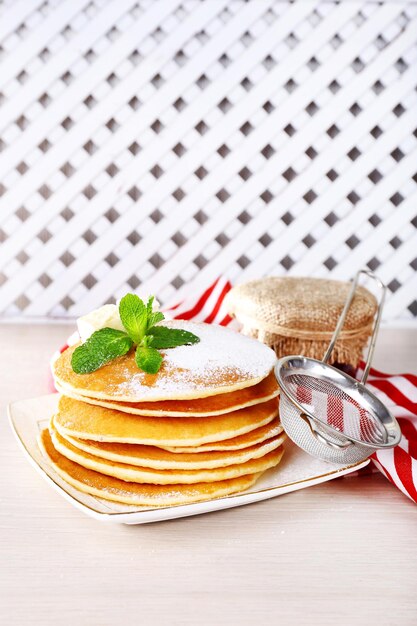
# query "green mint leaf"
(148, 359)
(103, 346)
(134, 315)
(153, 317)
(164, 337)
(149, 304)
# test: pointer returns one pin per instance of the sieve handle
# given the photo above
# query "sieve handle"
(321, 438)
(344, 313)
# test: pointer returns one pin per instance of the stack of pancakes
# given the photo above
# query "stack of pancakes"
(205, 426)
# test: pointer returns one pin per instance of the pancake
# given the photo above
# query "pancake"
(95, 484)
(221, 362)
(138, 474)
(157, 458)
(212, 405)
(84, 421)
(258, 435)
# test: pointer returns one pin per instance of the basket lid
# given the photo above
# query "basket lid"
(279, 304)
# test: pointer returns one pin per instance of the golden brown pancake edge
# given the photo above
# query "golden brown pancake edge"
(160, 459)
(218, 404)
(131, 473)
(145, 495)
(84, 421)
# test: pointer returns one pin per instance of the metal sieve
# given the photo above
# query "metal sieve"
(328, 413)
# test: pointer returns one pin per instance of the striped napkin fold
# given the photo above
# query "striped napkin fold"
(398, 392)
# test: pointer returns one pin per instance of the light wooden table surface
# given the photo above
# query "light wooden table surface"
(343, 552)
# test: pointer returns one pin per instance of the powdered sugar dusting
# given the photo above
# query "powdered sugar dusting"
(220, 347)
(221, 360)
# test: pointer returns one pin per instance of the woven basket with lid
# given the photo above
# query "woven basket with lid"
(298, 316)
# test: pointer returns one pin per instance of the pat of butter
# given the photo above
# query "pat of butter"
(107, 316)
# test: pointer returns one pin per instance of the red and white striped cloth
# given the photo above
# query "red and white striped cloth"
(398, 392)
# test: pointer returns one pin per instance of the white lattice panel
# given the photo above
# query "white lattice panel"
(154, 145)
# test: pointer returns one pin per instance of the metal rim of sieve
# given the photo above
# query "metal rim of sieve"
(300, 432)
(356, 390)
(297, 364)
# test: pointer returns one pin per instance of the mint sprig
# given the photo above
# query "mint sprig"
(103, 346)
(134, 315)
(153, 316)
(148, 359)
(161, 337)
(142, 331)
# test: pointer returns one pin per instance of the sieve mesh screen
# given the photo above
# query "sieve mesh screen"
(331, 405)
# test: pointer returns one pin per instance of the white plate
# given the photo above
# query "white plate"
(296, 471)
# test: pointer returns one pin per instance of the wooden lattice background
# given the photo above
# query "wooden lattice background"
(156, 144)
